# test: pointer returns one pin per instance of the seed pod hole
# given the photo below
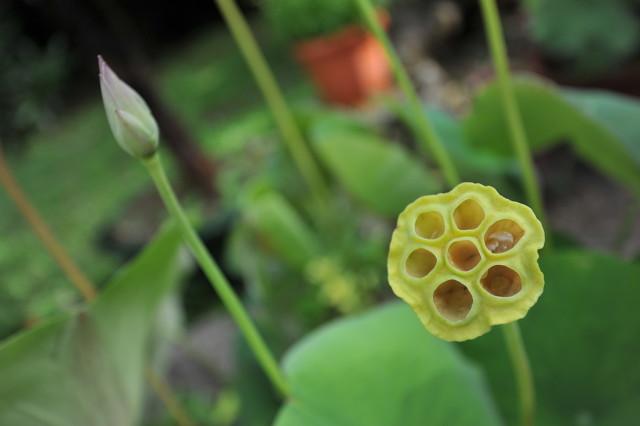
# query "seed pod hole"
(453, 300)
(503, 236)
(468, 215)
(501, 281)
(429, 225)
(420, 262)
(464, 255)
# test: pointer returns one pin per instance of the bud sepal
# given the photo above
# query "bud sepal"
(132, 124)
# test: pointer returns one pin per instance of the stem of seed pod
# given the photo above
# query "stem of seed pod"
(513, 337)
(430, 142)
(274, 98)
(217, 279)
(495, 38)
(522, 368)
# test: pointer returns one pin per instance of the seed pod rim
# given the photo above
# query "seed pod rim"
(487, 309)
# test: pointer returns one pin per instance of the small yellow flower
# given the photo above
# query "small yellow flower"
(466, 260)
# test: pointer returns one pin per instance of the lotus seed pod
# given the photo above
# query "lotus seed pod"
(130, 119)
(466, 260)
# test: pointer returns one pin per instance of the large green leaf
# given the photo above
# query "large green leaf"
(86, 369)
(376, 172)
(582, 339)
(549, 119)
(382, 369)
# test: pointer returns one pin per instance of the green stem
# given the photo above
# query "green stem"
(216, 277)
(522, 368)
(513, 337)
(430, 142)
(514, 119)
(267, 83)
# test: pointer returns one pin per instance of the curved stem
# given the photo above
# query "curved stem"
(166, 395)
(522, 369)
(216, 277)
(44, 233)
(274, 98)
(430, 142)
(78, 279)
(514, 120)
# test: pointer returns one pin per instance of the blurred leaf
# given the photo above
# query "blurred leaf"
(581, 31)
(382, 368)
(550, 119)
(258, 402)
(86, 369)
(280, 226)
(473, 163)
(379, 173)
(618, 114)
(582, 339)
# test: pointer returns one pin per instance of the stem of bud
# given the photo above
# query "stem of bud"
(217, 279)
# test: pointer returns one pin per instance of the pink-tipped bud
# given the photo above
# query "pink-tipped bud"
(130, 119)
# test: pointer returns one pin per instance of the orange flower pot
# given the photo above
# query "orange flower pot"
(347, 67)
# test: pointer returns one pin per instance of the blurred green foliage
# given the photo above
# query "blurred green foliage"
(581, 338)
(80, 181)
(295, 20)
(595, 125)
(29, 81)
(593, 36)
(86, 368)
(68, 174)
(204, 410)
(379, 173)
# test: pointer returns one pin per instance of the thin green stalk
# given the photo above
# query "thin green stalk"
(430, 142)
(267, 83)
(513, 337)
(216, 277)
(522, 368)
(518, 136)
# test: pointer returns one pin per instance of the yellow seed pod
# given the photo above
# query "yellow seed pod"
(466, 260)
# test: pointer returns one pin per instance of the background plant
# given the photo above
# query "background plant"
(294, 20)
(579, 32)
(29, 76)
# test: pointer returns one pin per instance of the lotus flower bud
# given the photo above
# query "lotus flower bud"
(466, 260)
(130, 119)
